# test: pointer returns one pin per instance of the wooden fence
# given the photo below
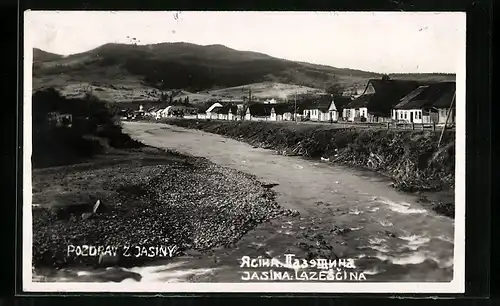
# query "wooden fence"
(359, 125)
(400, 126)
(368, 125)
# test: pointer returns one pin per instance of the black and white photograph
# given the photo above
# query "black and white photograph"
(241, 151)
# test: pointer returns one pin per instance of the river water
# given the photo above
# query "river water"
(391, 235)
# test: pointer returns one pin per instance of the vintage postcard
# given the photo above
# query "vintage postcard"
(263, 152)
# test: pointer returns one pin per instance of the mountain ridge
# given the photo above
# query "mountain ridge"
(181, 65)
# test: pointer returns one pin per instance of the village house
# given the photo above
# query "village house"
(427, 104)
(176, 111)
(260, 112)
(283, 112)
(163, 113)
(137, 114)
(151, 112)
(378, 100)
(337, 107)
(124, 114)
(201, 111)
(211, 113)
(324, 108)
(201, 115)
(227, 112)
(317, 109)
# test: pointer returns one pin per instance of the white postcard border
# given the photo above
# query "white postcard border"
(457, 285)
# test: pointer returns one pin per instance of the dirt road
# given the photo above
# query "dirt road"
(353, 213)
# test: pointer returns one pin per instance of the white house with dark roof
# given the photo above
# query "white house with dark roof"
(427, 104)
(318, 109)
(325, 108)
(378, 100)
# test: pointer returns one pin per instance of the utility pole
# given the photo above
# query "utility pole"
(295, 109)
(447, 117)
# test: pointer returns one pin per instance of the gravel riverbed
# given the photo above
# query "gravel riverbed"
(149, 198)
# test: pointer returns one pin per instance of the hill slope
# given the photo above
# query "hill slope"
(185, 66)
(43, 56)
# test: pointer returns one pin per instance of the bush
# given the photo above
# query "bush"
(62, 145)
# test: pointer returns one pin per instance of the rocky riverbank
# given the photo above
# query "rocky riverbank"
(148, 198)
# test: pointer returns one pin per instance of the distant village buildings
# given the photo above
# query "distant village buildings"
(381, 101)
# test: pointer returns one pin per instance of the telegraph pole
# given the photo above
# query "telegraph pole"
(447, 117)
(295, 109)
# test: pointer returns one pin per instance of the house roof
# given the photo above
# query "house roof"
(341, 102)
(404, 101)
(361, 101)
(388, 94)
(260, 109)
(177, 108)
(226, 109)
(283, 108)
(213, 106)
(437, 95)
(153, 109)
(322, 102)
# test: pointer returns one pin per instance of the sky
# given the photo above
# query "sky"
(384, 42)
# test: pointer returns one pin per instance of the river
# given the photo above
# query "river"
(412, 242)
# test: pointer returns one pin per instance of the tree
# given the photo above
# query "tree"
(386, 77)
(163, 97)
(335, 90)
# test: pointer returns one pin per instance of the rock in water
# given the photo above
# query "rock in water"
(270, 185)
(86, 216)
(96, 206)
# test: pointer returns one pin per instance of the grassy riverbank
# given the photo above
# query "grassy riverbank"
(411, 159)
